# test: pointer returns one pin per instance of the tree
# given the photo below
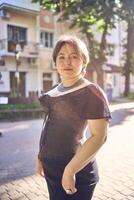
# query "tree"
(90, 16)
(99, 15)
(127, 14)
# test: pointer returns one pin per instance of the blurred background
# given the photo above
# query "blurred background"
(28, 32)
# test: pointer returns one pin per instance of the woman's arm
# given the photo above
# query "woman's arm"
(98, 130)
(40, 167)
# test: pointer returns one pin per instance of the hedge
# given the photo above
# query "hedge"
(15, 115)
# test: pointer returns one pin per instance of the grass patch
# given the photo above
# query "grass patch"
(131, 96)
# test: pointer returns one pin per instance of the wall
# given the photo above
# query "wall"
(31, 82)
(4, 82)
(25, 21)
(116, 37)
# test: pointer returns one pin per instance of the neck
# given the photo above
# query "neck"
(71, 81)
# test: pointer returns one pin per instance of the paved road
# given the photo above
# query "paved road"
(19, 146)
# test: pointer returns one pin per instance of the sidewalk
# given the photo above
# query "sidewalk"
(122, 100)
(116, 166)
(121, 103)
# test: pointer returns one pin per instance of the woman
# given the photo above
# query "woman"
(65, 158)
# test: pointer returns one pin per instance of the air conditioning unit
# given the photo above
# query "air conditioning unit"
(4, 14)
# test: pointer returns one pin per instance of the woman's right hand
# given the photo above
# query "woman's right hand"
(40, 168)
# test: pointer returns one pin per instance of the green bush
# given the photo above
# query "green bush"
(11, 107)
(15, 115)
(131, 96)
(20, 111)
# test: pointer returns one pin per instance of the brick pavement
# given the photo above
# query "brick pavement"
(116, 163)
(116, 166)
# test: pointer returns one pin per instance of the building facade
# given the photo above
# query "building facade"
(19, 47)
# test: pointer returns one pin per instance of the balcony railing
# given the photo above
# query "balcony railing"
(8, 47)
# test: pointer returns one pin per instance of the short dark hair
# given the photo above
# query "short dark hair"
(76, 43)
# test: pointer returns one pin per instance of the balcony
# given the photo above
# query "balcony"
(8, 48)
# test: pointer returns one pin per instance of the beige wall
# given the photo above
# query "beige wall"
(23, 20)
(45, 54)
(24, 66)
(2, 28)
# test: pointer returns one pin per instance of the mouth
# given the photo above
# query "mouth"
(67, 69)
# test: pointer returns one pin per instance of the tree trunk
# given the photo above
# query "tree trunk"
(128, 63)
(102, 57)
(62, 8)
(100, 77)
(127, 85)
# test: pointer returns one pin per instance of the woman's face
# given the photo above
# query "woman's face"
(68, 62)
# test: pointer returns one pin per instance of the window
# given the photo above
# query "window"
(17, 88)
(16, 35)
(47, 76)
(46, 39)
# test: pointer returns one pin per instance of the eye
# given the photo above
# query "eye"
(74, 57)
(61, 57)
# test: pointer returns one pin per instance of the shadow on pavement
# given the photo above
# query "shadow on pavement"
(120, 115)
(13, 178)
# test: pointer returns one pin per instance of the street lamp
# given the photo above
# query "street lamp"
(18, 51)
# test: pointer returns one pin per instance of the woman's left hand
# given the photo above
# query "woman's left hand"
(68, 182)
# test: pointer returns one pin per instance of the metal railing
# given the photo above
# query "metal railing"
(9, 46)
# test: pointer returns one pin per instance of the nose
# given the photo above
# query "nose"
(67, 60)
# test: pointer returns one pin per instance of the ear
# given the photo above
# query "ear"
(83, 69)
